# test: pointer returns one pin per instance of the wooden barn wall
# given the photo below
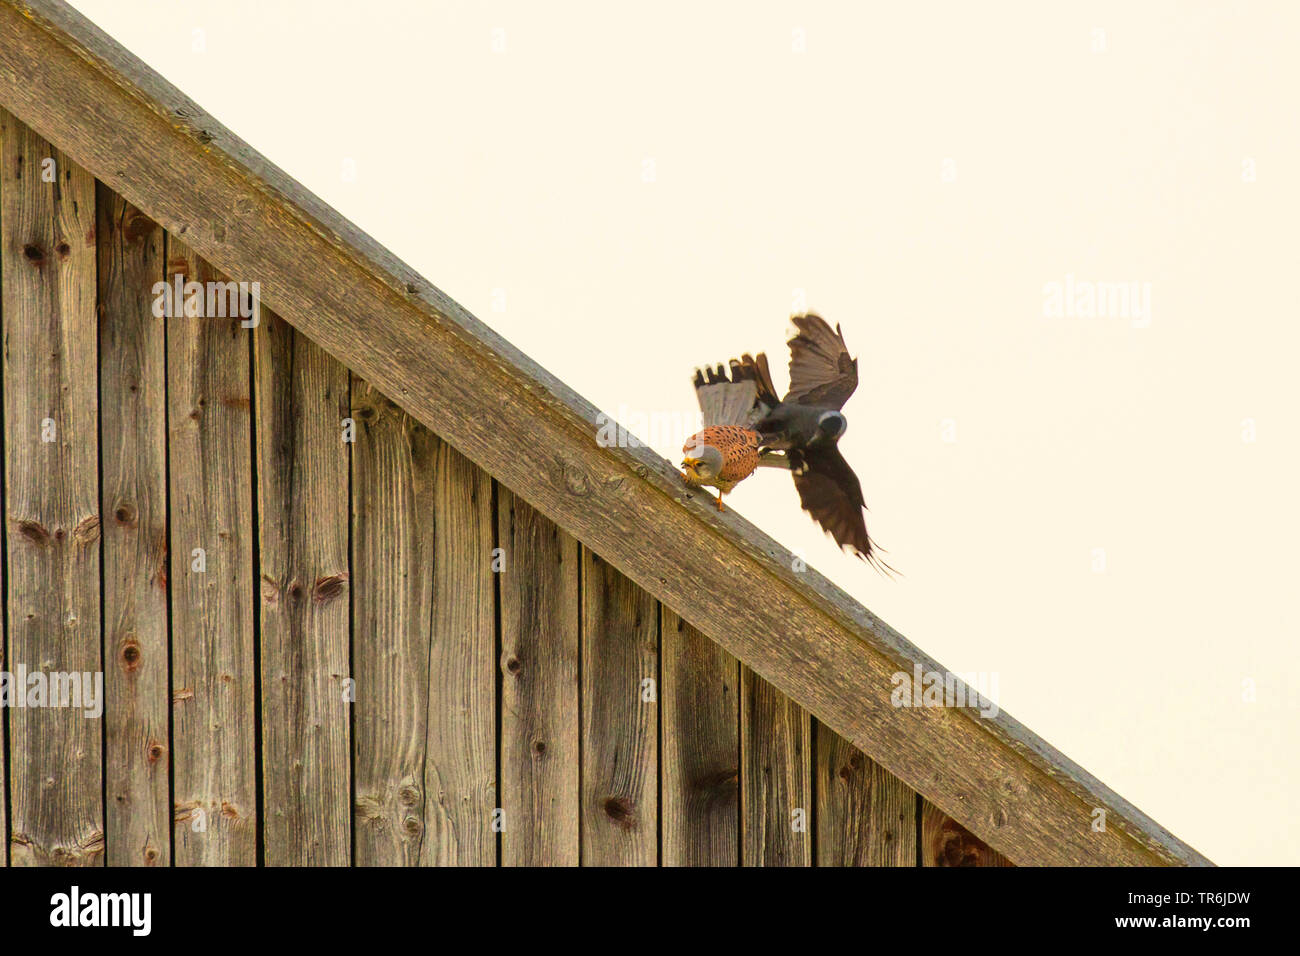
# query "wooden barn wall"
(323, 651)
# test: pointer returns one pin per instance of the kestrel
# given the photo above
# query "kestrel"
(726, 451)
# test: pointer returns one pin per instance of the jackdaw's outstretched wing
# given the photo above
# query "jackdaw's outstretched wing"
(822, 373)
(831, 493)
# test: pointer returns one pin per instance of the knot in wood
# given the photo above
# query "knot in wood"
(131, 653)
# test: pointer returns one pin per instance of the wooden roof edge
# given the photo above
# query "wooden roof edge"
(96, 101)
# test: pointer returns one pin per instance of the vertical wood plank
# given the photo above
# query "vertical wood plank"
(865, 815)
(52, 530)
(700, 776)
(945, 842)
(393, 465)
(213, 674)
(775, 776)
(461, 769)
(620, 729)
(133, 437)
(302, 504)
(539, 688)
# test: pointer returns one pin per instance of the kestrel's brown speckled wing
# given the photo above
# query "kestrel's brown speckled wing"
(822, 373)
(739, 447)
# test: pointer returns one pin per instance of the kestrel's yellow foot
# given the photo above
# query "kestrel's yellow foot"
(720, 508)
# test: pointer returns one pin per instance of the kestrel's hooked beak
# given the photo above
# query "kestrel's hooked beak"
(690, 463)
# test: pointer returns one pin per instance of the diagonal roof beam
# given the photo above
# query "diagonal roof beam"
(85, 93)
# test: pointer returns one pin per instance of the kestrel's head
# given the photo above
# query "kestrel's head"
(702, 462)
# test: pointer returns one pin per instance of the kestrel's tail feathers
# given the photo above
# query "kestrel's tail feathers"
(730, 399)
(762, 378)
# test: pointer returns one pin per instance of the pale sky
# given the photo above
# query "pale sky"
(1101, 510)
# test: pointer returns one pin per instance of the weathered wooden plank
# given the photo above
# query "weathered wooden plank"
(212, 577)
(133, 439)
(865, 815)
(539, 688)
(945, 842)
(393, 466)
(461, 767)
(52, 499)
(700, 763)
(620, 725)
(163, 153)
(776, 807)
(303, 514)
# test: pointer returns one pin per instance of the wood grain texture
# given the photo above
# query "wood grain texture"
(945, 842)
(776, 808)
(133, 439)
(865, 815)
(539, 688)
(213, 676)
(700, 763)
(52, 498)
(620, 719)
(303, 513)
(460, 770)
(393, 466)
(794, 628)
